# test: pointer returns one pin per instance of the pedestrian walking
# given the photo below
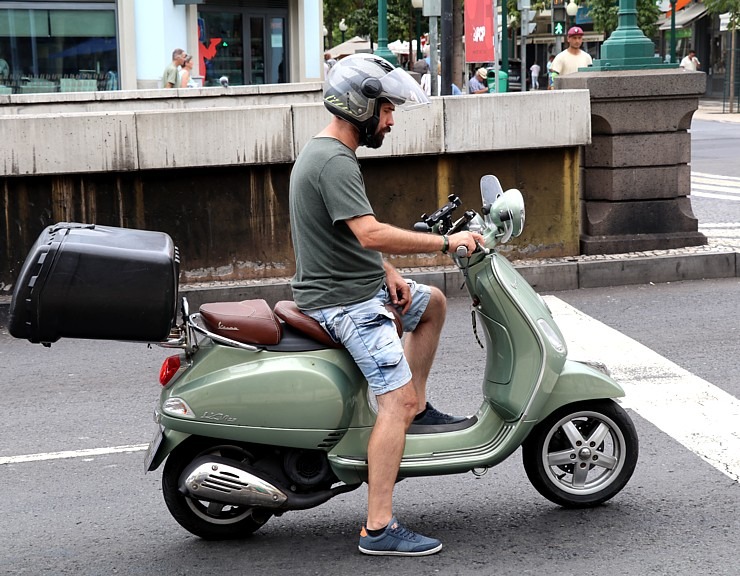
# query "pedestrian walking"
(534, 71)
(171, 73)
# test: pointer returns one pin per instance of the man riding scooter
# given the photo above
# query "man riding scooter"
(342, 281)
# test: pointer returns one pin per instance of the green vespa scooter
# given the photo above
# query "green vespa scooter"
(261, 413)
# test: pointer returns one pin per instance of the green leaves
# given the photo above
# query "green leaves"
(361, 17)
(722, 6)
(605, 16)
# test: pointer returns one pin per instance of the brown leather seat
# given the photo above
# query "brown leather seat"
(287, 311)
(248, 321)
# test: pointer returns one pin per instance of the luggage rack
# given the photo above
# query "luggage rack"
(185, 336)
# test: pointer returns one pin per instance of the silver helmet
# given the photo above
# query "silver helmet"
(357, 84)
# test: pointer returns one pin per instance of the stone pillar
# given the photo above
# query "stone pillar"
(636, 174)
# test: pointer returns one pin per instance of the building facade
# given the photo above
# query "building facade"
(88, 45)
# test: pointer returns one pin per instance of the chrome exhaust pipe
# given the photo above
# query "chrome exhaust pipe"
(221, 480)
(217, 479)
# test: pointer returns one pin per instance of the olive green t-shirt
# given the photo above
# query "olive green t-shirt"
(332, 267)
(170, 76)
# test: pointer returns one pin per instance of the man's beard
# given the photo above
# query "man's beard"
(376, 141)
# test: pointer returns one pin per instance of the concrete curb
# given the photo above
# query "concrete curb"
(550, 275)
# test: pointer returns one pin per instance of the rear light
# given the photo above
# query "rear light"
(169, 368)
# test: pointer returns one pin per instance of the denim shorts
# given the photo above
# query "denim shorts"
(368, 331)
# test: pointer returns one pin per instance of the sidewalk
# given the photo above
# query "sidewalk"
(545, 275)
(711, 109)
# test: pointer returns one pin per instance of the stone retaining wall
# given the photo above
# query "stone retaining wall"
(215, 177)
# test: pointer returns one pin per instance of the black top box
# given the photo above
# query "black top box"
(101, 282)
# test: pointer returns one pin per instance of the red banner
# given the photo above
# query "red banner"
(479, 32)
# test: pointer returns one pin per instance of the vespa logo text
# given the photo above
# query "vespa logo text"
(218, 417)
(221, 326)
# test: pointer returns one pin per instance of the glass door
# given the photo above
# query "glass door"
(277, 51)
(221, 47)
(257, 43)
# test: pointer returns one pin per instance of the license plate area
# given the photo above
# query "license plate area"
(154, 445)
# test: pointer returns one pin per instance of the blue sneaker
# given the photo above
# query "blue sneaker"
(433, 417)
(398, 541)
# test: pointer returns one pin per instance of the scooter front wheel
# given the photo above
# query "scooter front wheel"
(209, 520)
(583, 454)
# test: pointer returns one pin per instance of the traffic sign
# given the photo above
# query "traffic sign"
(558, 28)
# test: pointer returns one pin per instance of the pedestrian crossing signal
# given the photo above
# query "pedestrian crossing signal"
(558, 28)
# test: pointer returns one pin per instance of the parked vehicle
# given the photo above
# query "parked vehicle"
(261, 413)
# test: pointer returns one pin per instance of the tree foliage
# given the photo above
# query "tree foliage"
(605, 16)
(361, 17)
(722, 6)
(605, 13)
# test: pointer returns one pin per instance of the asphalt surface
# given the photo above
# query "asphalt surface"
(100, 514)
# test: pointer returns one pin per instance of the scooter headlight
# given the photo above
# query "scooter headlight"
(552, 337)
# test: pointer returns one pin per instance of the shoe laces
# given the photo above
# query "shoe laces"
(432, 411)
(403, 532)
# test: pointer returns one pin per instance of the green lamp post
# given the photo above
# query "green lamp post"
(382, 50)
(628, 48)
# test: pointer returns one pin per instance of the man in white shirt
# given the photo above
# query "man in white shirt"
(572, 58)
(690, 62)
(534, 70)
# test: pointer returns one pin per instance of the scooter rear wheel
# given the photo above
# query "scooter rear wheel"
(583, 454)
(209, 520)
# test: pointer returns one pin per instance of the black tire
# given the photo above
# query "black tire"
(583, 454)
(210, 521)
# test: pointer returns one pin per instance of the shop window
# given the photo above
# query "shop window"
(57, 51)
(243, 45)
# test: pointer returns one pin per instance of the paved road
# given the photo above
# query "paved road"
(76, 417)
(99, 514)
(715, 180)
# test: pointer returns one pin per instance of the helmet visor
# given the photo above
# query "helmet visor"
(401, 89)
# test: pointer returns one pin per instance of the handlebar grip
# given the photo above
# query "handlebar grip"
(461, 251)
(421, 227)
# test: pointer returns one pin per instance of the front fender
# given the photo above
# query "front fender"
(579, 381)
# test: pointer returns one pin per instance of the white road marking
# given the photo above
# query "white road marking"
(72, 454)
(713, 177)
(715, 186)
(699, 415)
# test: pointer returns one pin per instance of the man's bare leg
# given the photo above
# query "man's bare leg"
(396, 410)
(421, 344)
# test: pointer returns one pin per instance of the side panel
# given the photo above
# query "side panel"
(304, 400)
